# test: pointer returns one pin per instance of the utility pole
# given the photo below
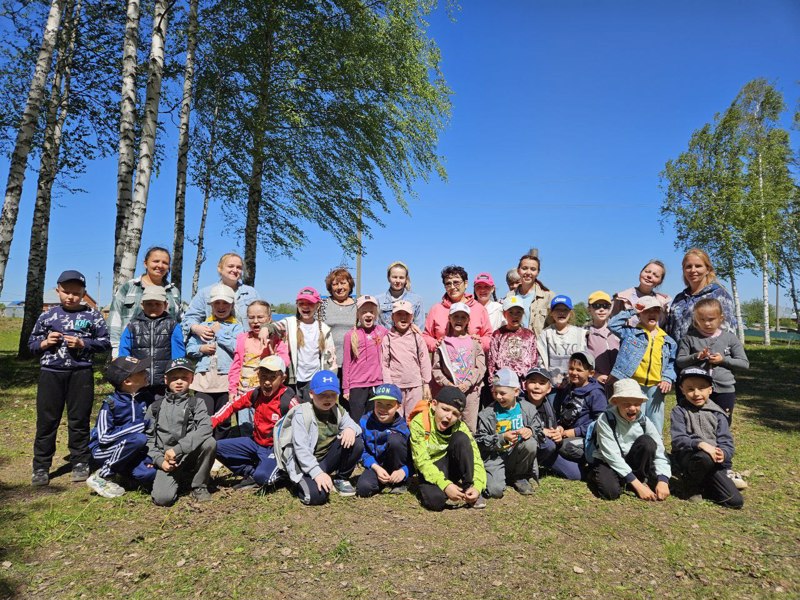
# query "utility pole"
(99, 279)
(358, 254)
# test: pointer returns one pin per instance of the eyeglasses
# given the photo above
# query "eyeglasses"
(453, 284)
(600, 305)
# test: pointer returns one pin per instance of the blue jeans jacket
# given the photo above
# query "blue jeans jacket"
(633, 345)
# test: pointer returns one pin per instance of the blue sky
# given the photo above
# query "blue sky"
(564, 113)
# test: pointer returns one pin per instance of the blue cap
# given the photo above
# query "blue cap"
(388, 391)
(72, 276)
(561, 299)
(324, 381)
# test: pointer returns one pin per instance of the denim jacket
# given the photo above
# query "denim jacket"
(633, 345)
(225, 339)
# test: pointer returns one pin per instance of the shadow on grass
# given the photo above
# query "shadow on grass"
(17, 373)
(769, 389)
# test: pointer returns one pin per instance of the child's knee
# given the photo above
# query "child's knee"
(162, 497)
(495, 488)
(460, 440)
(397, 443)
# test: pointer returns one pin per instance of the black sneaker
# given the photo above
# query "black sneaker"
(40, 477)
(201, 494)
(524, 487)
(80, 472)
(248, 483)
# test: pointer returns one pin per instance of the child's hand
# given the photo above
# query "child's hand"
(719, 455)
(346, 396)
(708, 449)
(715, 358)
(347, 438)
(170, 455)
(324, 482)
(464, 387)
(510, 436)
(643, 490)
(397, 476)
(553, 434)
(665, 387)
(208, 349)
(471, 495)
(383, 474)
(74, 342)
(216, 326)
(426, 392)
(601, 378)
(454, 493)
(525, 433)
(204, 332)
(53, 339)
(662, 490)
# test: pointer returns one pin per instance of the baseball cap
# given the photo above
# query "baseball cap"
(511, 302)
(599, 296)
(539, 371)
(505, 378)
(388, 391)
(459, 307)
(403, 306)
(695, 372)
(484, 278)
(362, 300)
(123, 367)
(561, 299)
(583, 356)
(272, 363)
(180, 363)
(324, 381)
(452, 396)
(72, 276)
(154, 292)
(222, 292)
(647, 302)
(309, 294)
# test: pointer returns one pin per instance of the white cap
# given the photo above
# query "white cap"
(222, 292)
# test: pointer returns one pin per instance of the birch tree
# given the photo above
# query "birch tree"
(22, 147)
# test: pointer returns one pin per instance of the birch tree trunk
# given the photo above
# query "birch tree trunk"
(127, 133)
(207, 180)
(132, 236)
(56, 116)
(793, 296)
(183, 150)
(254, 192)
(764, 255)
(22, 145)
(737, 307)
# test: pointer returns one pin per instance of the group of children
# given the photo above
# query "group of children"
(409, 411)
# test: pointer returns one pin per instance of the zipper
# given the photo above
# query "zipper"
(152, 350)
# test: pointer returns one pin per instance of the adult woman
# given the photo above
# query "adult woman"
(484, 290)
(128, 299)
(399, 289)
(650, 277)
(230, 268)
(339, 310)
(701, 282)
(535, 296)
(455, 282)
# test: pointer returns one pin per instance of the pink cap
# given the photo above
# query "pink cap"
(362, 300)
(403, 305)
(308, 294)
(646, 302)
(483, 278)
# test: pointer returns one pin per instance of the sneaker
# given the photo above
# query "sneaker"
(524, 487)
(216, 468)
(201, 494)
(80, 472)
(344, 487)
(480, 502)
(248, 483)
(695, 498)
(104, 487)
(40, 477)
(737, 479)
(401, 488)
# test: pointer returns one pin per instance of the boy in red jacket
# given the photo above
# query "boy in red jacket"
(253, 457)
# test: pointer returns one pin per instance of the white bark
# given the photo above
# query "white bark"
(737, 308)
(764, 255)
(127, 133)
(22, 146)
(183, 149)
(144, 168)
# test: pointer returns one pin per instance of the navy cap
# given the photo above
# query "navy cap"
(180, 363)
(561, 299)
(540, 371)
(123, 367)
(324, 381)
(72, 276)
(695, 372)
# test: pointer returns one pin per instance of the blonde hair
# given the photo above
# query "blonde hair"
(711, 276)
(226, 256)
(403, 266)
(354, 337)
(301, 339)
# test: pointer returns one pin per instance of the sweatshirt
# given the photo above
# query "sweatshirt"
(555, 347)
(85, 323)
(727, 344)
(376, 437)
(405, 360)
(575, 407)
(515, 350)
(438, 319)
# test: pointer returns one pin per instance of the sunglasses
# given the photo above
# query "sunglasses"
(600, 305)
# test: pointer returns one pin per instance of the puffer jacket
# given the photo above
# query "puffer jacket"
(154, 339)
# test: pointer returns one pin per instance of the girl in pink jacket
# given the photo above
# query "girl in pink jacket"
(362, 368)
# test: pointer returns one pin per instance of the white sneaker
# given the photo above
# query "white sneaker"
(737, 479)
(104, 487)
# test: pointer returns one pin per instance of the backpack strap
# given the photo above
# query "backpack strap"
(188, 415)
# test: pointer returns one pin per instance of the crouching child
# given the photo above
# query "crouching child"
(318, 439)
(702, 444)
(179, 438)
(625, 447)
(507, 436)
(386, 434)
(445, 453)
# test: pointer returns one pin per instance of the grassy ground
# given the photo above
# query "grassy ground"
(63, 542)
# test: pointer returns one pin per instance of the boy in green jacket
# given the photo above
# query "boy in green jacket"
(446, 455)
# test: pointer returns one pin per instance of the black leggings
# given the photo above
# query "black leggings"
(458, 465)
(606, 481)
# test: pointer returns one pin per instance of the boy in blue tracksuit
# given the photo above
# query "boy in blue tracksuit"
(385, 433)
(118, 441)
(66, 337)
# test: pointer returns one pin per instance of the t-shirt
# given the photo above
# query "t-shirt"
(460, 351)
(527, 300)
(508, 419)
(308, 355)
(328, 430)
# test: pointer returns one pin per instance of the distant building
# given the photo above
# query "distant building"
(15, 309)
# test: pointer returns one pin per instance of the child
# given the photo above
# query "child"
(405, 359)
(311, 347)
(708, 345)
(386, 434)
(484, 292)
(702, 444)
(153, 333)
(253, 457)
(459, 361)
(445, 454)
(646, 354)
(250, 349)
(362, 357)
(628, 448)
(323, 441)
(179, 439)
(66, 337)
(507, 437)
(118, 442)
(513, 346)
(600, 341)
(210, 382)
(537, 388)
(557, 342)
(576, 405)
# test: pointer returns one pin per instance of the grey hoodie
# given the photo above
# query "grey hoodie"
(726, 344)
(166, 429)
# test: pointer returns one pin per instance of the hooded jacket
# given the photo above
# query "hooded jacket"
(437, 321)
(690, 425)
(376, 437)
(575, 407)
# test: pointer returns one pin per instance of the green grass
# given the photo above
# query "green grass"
(63, 542)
